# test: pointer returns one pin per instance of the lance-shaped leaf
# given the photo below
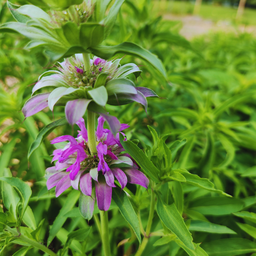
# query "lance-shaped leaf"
(107, 52)
(229, 247)
(61, 4)
(110, 19)
(70, 201)
(172, 219)
(127, 211)
(43, 133)
(23, 189)
(141, 159)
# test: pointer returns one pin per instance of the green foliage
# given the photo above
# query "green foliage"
(196, 144)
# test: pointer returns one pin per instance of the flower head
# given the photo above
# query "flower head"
(104, 83)
(75, 166)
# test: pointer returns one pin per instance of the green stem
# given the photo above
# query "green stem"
(91, 132)
(37, 245)
(33, 243)
(97, 222)
(87, 63)
(149, 224)
(104, 233)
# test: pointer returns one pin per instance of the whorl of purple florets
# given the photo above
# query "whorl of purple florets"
(98, 61)
(75, 166)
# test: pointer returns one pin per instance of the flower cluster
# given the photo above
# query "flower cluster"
(78, 14)
(104, 83)
(94, 174)
(72, 71)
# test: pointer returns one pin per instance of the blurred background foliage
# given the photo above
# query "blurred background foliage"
(209, 100)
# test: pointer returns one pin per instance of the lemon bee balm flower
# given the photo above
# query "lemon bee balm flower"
(78, 89)
(94, 175)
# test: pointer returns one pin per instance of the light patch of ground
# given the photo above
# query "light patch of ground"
(196, 26)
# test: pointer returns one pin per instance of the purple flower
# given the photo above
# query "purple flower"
(79, 70)
(95, 175)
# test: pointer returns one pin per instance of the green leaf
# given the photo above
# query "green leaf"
(100, 9)
(178, 195)
(250, 230)
(231, 102)
(9, 195)
(60, 219)
(208, 227)
(37, 232)
(137, 154)
(109, 21)
(80, 234)
(107, 52)
(127, 211)
(229, 247)
(99, 95)
(71, 32)
(251, 216)
(204, 183)
(176, 146)
(23, 251)
(172, 219)
(16, 14)
(230, 149)
(44, 132)
(62, 235)
(217, 206)
(6, 155)
(29, 218)
(164, 240)
(91, 34)
(120, 85)
(62, 4)
(198, 251)
(23, 189)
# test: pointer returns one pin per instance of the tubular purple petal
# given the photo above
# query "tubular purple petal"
(35, 104)
(59, 139)
(110, 179)
(99, 132)
(75, 109)
(86, 184)
(102, 150)
(123, 127)
(113, 123)
(136, 177)
(112, 155)
(103, 195)
(83, 130)
(120, 176)
(75, 182)
(54, 179)
(62, 185)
